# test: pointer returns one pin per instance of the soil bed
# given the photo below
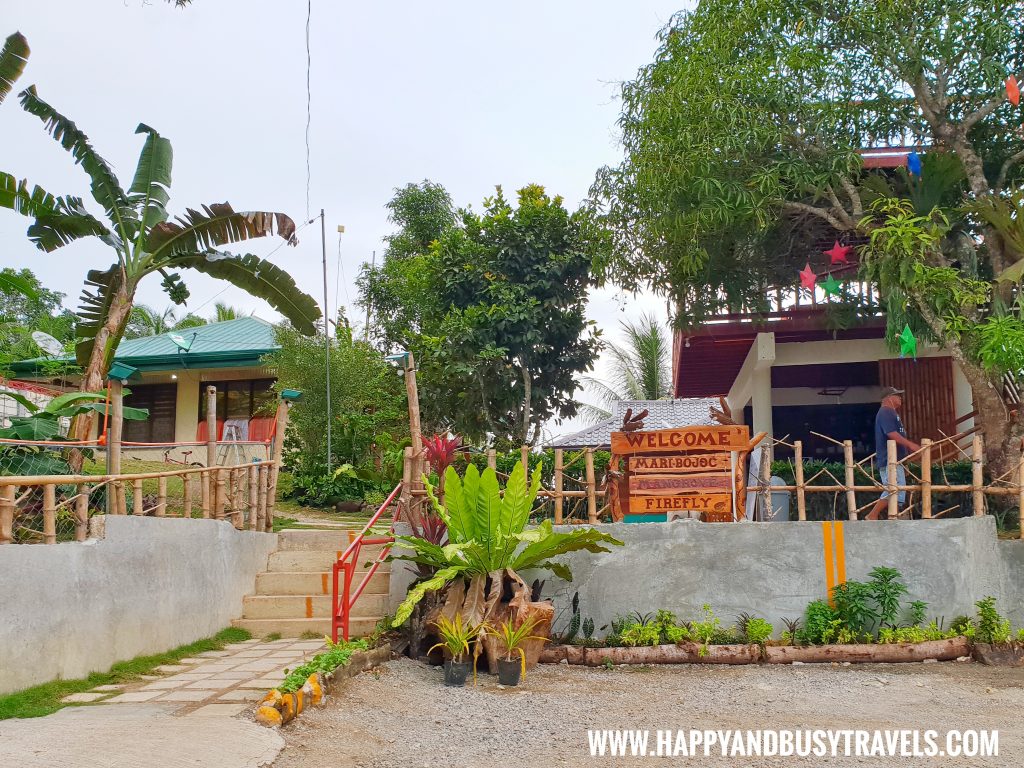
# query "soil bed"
(401, 716)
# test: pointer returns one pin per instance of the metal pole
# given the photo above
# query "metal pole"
(327, 338)
(366, 328)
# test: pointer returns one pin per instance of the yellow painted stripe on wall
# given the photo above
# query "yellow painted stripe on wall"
(323, 583)
(309, 607)
(840, 552)
(830, 558)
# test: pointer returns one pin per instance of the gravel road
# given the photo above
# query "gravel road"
(400, 715)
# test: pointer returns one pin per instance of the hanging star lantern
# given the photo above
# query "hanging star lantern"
(908, 343)
(838, 253)
(807, 277)
(831, 286)
(914, 164)
(1013, 90)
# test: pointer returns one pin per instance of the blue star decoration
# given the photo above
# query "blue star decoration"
(914, 164)
(908, 343)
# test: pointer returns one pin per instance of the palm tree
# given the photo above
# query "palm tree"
(640, 369)
(224, 312)
(144, 241)
(147, 321)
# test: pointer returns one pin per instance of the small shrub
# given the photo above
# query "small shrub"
(992, 627)
(821, 624)
(917, 612)
(336, 656)
(755, 630)
(963, 626)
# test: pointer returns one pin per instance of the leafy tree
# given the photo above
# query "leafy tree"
(368, 405)
(144, 241)
(641, 369)
(400, 294)
(26, 306)
(742, 143)
(147, 321)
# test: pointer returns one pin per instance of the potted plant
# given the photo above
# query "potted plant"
(455, 639)
(513, 637)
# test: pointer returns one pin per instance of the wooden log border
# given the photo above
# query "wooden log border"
(694, 653)
(277, 709)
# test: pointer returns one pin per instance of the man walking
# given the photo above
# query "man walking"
(889, 426)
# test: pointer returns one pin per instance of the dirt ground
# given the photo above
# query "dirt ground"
(401, 715)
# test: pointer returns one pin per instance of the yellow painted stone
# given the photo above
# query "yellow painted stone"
(288, 709)
(273, 698)
(313, 691)
(268, 716)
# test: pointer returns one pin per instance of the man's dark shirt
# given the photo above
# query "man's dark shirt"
(886, 421)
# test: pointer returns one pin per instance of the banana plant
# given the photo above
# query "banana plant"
(487, 534)
(13, 57)
(144, 241)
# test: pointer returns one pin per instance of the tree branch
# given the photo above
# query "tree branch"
(812, 210)
(1011, 161)
(854, 195)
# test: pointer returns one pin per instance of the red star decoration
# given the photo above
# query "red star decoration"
(838, 253)
(807, 277)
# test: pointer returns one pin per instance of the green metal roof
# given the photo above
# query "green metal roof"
(231, 344)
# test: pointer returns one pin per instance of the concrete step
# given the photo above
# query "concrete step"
(360, 627)
(310, 606)
(314, 583)
(315, 560)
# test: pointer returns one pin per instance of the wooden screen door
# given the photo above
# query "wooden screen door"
(928, 408)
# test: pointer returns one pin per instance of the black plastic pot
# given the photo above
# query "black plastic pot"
(455, 673)
(509, 671)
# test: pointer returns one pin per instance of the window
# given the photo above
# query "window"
(161, 401)
(239, 399)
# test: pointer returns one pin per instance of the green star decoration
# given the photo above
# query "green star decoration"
(908, 342)
(831, 286)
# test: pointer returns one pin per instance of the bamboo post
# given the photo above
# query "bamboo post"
(492, 458)
(977, 491)
(279, 432)
(81, 512)
(926, 478)
(220, 494)
(591, 487)
(765, 471)
(254, 472)
(801, 497)
(524, 457)
(261, 509)
(161, 496)
(237, 503)
(851, 495)
(204, 494)
(894, 496)
(116, 501)
(50, 513)
(186, 510)
(211, 426)
(1020, 497)
(406, 500)
(559, 500)
(137, 497)
(7, 509)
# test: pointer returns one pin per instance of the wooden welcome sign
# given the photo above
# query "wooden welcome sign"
(696, 472)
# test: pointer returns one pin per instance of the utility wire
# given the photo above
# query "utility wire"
(309, 100)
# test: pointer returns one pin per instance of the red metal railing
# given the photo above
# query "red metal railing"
(341, 604)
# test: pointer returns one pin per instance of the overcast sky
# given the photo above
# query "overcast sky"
(467, 94)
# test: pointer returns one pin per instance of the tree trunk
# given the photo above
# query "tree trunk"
(104, 346)
(527, 401)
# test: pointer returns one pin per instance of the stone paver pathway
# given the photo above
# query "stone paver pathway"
(224, 682)
(185, 717)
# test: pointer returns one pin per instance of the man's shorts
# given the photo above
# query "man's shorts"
(901, 479)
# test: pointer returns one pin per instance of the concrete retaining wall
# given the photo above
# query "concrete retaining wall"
(773, 570)
(148, 586)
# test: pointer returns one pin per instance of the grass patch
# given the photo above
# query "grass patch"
(272, 637)
(45, 699)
